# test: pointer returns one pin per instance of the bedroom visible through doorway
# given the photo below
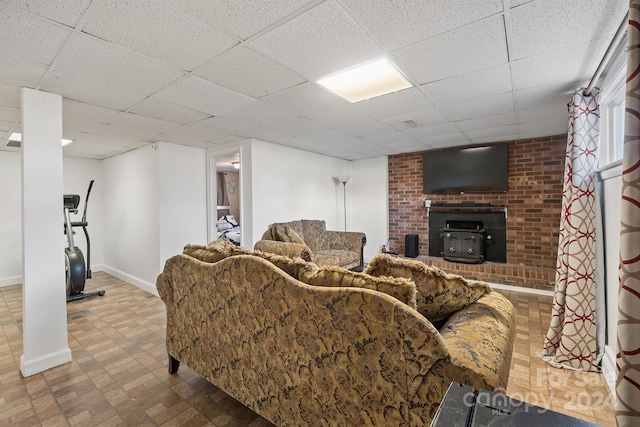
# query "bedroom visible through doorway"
(227, 197)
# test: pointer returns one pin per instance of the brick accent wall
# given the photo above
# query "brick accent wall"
(533, 201)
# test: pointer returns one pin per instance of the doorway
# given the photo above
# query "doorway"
(225, 209)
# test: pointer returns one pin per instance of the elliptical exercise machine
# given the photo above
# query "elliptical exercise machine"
(76, 269)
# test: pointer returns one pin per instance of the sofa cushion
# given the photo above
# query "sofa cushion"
(315, 234)
(286, 233)
(439, 294)
(214, 252)
(402, 289)
(219, 250)
(336, 257)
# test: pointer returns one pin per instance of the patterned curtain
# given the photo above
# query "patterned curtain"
(571, 339)
(628, 357)
(223, 195)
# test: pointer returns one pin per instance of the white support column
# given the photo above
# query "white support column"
(44, 328)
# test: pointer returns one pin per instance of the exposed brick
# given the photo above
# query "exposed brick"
(533, 201)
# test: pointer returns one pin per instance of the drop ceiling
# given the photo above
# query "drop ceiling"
(208, 73)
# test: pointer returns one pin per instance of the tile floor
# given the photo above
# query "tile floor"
(118, 375)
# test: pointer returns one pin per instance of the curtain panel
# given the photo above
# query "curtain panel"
(571, 338)
(628, 332)
(223, 195)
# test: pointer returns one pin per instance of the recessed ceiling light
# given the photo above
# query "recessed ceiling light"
(15, 136)
(366, 81)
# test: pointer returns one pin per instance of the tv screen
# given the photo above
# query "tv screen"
(466, 170)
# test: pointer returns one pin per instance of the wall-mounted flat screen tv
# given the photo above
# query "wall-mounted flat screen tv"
(466, 170)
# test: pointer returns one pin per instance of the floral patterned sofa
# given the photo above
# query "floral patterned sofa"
(311, 241)
(303, 345)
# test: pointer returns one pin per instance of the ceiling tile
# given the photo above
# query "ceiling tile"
(418, 20)
(549, 127)
(496, 138)
(454, 139)
(321, 41)
(142, 26)
(516, 3)
(164, 110)
(299, 125)
(474, 47)
(93, 92)
(395, 137)
(429, 117)
(63, 11)
(136, 121)
(5, 125)
(538, 25)
(29, 38)
(224, 125)
(365, 129)
(306, 99)
(107, 140)
(259, 114)
(554, 115)
(571, 66)
(498, 131)
(125, 132)
(98, 60)
(10, 95)
(201, 95)
(248, 72)
(430, 131)
(488, 106)
(241, 18)
(340, 116)
(397, 104)
(83, 117)
(486, 122)
(191, 134)
(9, 113)
(19, 73)
(478, 84)
(536, 97)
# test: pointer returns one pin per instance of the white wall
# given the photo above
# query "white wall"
(612, 182)
(154, 204)
(131, 223)
(369, 203)
(76, 176)
(11, 218)
(182, 200)
(290, 184)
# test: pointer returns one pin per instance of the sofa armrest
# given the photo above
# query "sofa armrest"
(288, 249)
(165, 291)
(480, 340)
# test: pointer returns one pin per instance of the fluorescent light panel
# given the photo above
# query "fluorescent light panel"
(15, 136)
(366, 81)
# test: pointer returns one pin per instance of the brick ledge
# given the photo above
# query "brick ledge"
(526, 276)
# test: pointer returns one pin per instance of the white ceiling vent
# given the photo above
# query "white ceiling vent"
(14, 144)
(410, 123)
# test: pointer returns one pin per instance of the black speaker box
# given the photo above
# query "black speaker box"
(411, 246)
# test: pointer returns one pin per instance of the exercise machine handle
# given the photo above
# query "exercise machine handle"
(86, 201)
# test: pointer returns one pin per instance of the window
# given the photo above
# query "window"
(612, 110)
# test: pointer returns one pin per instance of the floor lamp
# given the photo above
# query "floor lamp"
(344, 179)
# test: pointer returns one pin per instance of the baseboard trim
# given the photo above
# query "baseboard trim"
(42, 363)
(135, 281)
(521, 289)
(10, 281)
(609, 368)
